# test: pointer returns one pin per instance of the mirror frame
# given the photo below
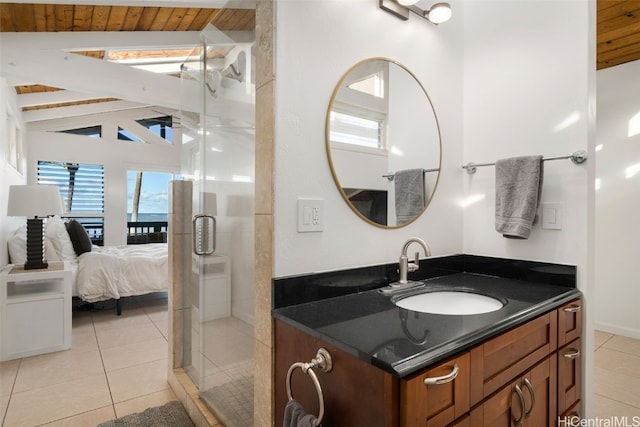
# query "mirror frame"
(328, 143)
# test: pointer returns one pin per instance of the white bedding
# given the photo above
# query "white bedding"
(121, 271)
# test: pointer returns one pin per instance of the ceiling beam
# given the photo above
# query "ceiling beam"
(53, 97)
(78, 110)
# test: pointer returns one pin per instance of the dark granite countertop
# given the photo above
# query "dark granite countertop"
(369, 326)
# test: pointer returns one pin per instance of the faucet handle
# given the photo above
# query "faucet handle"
(413, 266)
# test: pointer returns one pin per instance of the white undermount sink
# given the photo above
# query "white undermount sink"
(450, 302)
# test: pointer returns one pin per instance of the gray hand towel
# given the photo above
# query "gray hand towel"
(295, 416)
(409, 193)
(518, 190)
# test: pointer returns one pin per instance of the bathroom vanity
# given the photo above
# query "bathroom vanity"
(518, 365)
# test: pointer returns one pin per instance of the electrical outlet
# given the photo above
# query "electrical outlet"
(310, 215)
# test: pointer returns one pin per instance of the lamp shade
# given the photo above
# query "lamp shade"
(34, 200)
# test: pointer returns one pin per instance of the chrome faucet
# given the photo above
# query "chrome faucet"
(405, 265)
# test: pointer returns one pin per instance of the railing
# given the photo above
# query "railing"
(140, 232)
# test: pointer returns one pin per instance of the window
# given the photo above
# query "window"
(82, 189)
(161, 126)
(147, 206)
(92, 131)
(349, 128)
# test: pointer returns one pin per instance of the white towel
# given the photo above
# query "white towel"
(409, 194)
(518, 190)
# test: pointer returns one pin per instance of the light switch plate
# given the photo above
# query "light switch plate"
(552, 216)
(310, 215)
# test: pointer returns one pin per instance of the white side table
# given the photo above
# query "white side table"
(35, 309)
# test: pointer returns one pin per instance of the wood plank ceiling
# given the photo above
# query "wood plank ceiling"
(618, 32)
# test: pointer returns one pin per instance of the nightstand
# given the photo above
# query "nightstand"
(35, 309)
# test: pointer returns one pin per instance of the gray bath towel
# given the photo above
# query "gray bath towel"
(518, 189)
(409, 189)
(295, 416)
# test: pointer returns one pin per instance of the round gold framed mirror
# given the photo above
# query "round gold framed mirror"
(383, 143)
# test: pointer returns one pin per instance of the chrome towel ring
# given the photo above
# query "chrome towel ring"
(323, 362)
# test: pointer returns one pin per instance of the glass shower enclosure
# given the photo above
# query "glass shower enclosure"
(218, 156)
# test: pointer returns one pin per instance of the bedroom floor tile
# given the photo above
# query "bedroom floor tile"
(54, 368)
(116, 365)
(135, 354)
(90, 418)
(139, 380)
(139, 404)
(8, 372)
(81, 395)
(116, 337)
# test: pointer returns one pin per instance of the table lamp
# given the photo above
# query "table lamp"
(34, 202)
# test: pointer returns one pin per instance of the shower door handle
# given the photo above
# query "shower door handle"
(204, 234)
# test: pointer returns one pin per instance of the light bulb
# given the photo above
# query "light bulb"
(407, 2)
(439, 12)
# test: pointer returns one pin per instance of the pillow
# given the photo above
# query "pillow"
(79, 237)
(50, 253)
(17, 245)
(55, 230)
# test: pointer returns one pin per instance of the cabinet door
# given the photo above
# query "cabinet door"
(497, 361)
(569, 375)
(569, 322)
(437, 396)
(530, 400)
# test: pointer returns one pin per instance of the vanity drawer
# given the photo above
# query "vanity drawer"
(436, 396)
(569, 375)
(569, 322)
(501, 359)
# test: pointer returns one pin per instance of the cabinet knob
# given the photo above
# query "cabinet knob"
(445, 378)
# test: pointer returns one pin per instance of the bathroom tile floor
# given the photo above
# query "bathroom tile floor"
(117, 365)
(616, 377)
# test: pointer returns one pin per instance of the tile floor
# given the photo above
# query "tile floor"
(616, 377)
(117, 366)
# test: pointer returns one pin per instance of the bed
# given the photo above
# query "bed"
(100, 273)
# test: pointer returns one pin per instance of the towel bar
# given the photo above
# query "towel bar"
(391, 175)
(576, 157)
(323, 362)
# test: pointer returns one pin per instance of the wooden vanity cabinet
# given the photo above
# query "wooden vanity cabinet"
(527, 376)
(437, 396)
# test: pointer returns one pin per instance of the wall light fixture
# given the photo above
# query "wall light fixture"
(437, 14)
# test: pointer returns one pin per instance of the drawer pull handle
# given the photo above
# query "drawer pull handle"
(518, 421)
(572, 308)
(572, 353)
(445, 378)
(529, 387)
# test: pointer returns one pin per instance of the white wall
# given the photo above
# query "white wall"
(115, 155)
(312, 55)
(8, 174)
(617, 281)
(526, 69)
(527, 90)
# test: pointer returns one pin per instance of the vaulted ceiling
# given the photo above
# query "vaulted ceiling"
(618, 30)
(126, 33)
